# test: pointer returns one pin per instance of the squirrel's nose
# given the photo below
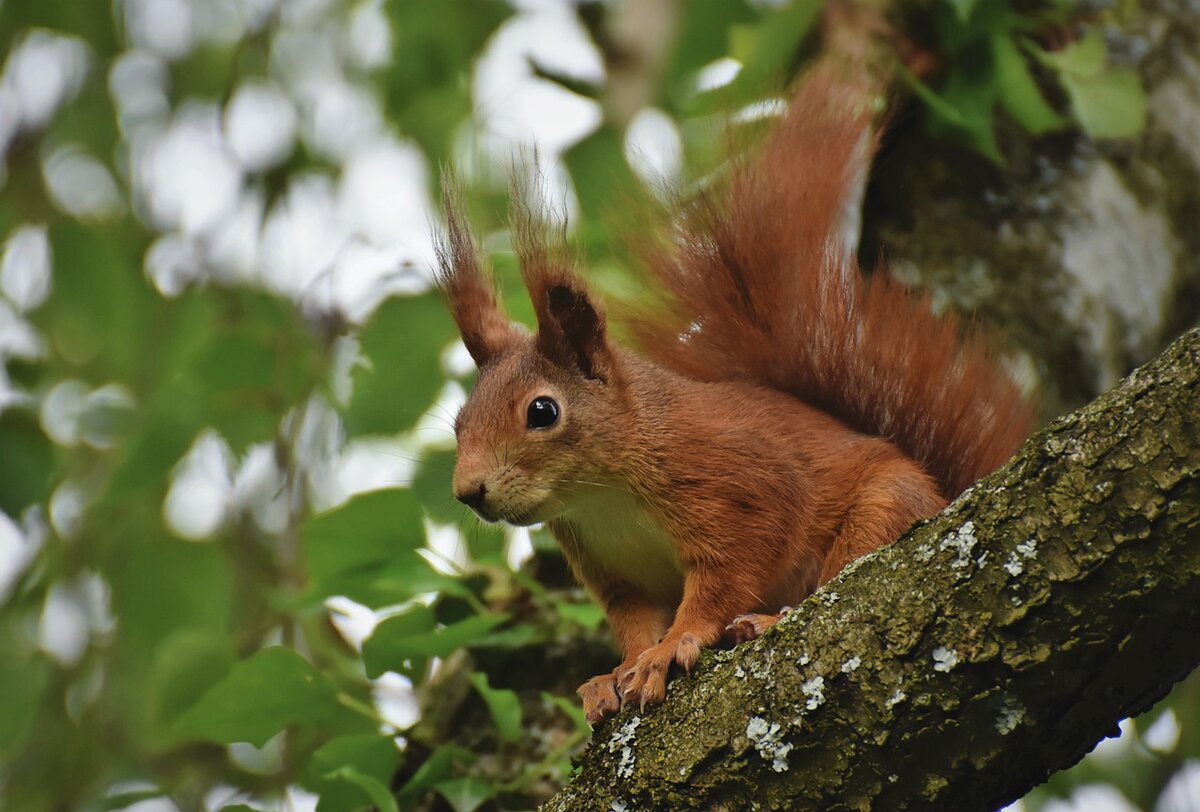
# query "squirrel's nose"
(472, 497)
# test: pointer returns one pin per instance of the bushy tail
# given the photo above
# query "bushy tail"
(768, 292)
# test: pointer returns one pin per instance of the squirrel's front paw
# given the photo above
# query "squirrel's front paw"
(645, 683)
(599, 695)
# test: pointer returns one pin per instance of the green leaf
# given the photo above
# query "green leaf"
(504, 706)
(174, 405)
(516, 636)
(1108, 102)
(371, 756)
(465, 794)
(93, 23)
(431, 486)
(406, 577)
(445, 761)
(402, 342)
(99, 315)
(369, 529)
(162, 585)
(376, 653)
(258, 363)
(704, 37)
(963, 8)
(1110, 105)
(603, 179)
(963, 108)
(485, 542)
(89, 120)
(936, 105)
(409, 636)
(233, 360)
(1019, 92)
(23, 682)
(186, 665)
(367, 549)
(208, 72)
(965, 38)
(263, 694)
(373, 788)
(26, 475)
(1087, 56)
(767, 50)
(427, 88)
(778, 39)
(151, 453)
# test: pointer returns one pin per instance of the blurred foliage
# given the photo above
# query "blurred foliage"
(201, 661)
(993, 51)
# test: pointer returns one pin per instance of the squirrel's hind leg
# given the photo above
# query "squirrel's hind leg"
(896, 494)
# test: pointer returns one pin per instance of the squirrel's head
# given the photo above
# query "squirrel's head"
(547, 408)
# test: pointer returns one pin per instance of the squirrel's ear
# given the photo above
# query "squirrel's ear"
(466, 283)
(571, 330)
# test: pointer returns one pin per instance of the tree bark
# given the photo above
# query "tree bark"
(957, 668)
(1084, 253)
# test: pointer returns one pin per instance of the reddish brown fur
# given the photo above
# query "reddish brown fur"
(757, 267)
(714, 480)
(467, 284)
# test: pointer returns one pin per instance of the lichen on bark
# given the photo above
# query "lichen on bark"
(992, 645)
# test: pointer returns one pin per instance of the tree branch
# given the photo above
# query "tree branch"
(991, 646)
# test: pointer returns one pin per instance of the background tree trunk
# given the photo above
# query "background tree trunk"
(1085, 253)
(991, 646)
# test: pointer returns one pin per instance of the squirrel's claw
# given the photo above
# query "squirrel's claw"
(645, 682)
(599, 695)
(751, 626)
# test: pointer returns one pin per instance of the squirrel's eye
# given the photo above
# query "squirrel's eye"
(542, 414)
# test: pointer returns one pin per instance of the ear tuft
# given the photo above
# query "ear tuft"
(466, 282)
(571, 330)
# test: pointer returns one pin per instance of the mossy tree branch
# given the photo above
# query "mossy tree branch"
(991, 646)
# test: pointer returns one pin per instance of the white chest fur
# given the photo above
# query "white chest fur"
(620, 536)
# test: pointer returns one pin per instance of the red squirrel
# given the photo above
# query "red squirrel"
(789, 417)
